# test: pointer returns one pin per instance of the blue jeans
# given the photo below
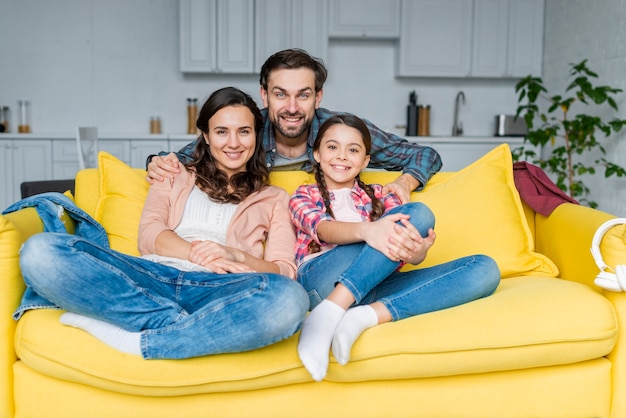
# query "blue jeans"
(180, 314)
(371, 276)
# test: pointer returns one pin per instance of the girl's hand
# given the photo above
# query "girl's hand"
(384, 235)
(409, 248)
(399, 242)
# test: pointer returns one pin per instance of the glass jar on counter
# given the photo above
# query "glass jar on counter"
(4, 118)
(24, 116)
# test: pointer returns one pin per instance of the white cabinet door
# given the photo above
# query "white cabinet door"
(525, 55)
(283, 24)
(23, 160)
(508, 38)
(216, 36)
(491, 26)
(235, 31)
(139, 151)
(366, 19)
(119, 148)
(435, 38)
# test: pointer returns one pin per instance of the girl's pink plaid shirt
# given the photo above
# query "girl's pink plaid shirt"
(307, 210)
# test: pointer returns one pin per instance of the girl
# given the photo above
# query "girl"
(218, 264)
(351, 240)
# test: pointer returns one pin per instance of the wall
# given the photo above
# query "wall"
(579, 29)
(114, 63)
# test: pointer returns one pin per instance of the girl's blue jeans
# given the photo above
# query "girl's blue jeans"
(371, 276)
(180, 314)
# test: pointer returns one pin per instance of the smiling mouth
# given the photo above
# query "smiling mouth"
(233, 155)
(292, 119)
(340, 167)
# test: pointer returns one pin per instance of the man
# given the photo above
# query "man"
(292, 84)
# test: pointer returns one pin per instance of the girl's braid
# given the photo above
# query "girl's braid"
(377, 206)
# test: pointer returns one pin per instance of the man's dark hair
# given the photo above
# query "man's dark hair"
(293, 59)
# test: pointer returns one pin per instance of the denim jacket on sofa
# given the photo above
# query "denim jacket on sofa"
(50, 207)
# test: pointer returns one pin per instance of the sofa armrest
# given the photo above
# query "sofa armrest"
(565, 237)
(15, 228)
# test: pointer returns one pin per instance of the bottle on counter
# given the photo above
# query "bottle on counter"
(192, 114)
(4, 118)
(24, 116)
(155, 125)
(424, 121)
(412, 115)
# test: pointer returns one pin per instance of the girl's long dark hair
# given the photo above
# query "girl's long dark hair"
(353, 122)
(213, 181)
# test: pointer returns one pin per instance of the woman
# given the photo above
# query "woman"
(217, 244)
(351, 241)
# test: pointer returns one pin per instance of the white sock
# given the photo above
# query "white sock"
(354, 322)
(316, 336)
(116, 337)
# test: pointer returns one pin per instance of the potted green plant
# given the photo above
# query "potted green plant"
(566, 138)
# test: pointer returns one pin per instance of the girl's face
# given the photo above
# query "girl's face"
(341, 156)
(231, 138)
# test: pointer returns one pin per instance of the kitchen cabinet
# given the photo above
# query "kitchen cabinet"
(364, 19)
(435, 38)
(507, 38)
(22, 160)
(216, 36)
(283, 24)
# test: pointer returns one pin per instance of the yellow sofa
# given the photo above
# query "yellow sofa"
(547, 343)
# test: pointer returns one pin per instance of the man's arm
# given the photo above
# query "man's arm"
(394, 153)
(162, 165)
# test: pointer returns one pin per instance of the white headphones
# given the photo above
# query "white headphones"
(615, 282)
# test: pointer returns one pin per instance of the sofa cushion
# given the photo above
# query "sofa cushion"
(478, 211)
(123, 191)
(528, 322)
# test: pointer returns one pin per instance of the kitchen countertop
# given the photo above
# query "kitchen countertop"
(191, 137)
(104, 136)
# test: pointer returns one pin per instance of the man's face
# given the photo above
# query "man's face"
(291, 101)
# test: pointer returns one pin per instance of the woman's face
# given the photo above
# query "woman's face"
(231, 138)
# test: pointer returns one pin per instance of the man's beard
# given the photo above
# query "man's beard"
(292, 133)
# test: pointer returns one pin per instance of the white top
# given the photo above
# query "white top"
(203, 220)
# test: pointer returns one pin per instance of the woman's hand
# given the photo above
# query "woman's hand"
(218, 258)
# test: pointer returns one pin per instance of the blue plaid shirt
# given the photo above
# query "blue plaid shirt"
(389, 151)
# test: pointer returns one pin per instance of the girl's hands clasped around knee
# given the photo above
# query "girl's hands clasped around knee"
(399, 242)
(411, 249)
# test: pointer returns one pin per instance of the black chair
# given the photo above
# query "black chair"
(29, 188)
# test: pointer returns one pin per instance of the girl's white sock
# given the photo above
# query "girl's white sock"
(116, 337)
(316, 336)
(354, 322)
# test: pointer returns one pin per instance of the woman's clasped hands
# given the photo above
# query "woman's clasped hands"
(217, 258)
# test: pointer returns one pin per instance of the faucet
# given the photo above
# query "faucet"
(457, 127)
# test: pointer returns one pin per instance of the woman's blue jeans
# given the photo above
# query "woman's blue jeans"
(371, 276)
(180, 314)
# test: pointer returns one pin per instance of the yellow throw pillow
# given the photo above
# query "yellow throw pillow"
(290, 180)
(123, 191)
(478, 211)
